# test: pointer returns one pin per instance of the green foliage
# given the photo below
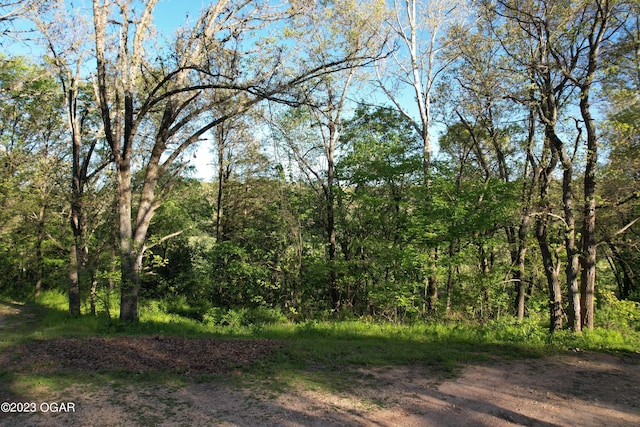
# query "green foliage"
(269, 258)
(32, 160)
(618, 315)
(382, 150)
(54, 300)
(178, 305)
(508, 329)
(335, 345)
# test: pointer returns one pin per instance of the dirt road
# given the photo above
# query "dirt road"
(577, 389)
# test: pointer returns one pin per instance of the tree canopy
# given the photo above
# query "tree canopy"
(398, 160)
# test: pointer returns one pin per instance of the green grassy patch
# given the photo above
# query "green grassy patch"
(320, 354)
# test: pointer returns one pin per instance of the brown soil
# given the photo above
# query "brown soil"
(578, 389)
(138, 354)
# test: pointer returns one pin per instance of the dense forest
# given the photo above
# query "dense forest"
(396, 160)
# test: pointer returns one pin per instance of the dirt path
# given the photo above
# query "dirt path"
(579, 389)
(7, 310)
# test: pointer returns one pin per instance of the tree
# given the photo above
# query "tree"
(494, 129)
(380, 165)
(599, 21)
(13, 10)
(619, 190)
(335, 29)
(238, 157)
(165, 93)
(553, 89)
(32, 157)
(64, 38)
(563, 44)
(414, 64)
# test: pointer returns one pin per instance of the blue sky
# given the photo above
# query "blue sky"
(169, 15)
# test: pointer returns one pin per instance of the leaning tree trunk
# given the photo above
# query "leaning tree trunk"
(589, 244)
(551, 273)
(542, 222)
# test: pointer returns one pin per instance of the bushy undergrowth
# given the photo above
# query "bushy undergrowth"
(219, 316)
(177, 318)
(618, 315)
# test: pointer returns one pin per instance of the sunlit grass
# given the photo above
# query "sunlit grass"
(333, 344)
(314, 354)
(48, 317)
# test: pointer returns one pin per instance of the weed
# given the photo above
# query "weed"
(324, 354)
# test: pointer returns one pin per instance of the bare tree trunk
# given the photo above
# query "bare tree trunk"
(74, 281)
(572, 268)
(76, 259)
(588, 282)
(331, 225)
(549, 115)
(130, 290)
(546, 168)
(39, 257)
(93, 293)
(219, 198)
(130, 270)
(602, 16)
(224, 173)
(551, 273)
(450, 270)
(520, 272)
(528, 189)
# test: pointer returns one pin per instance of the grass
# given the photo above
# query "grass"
(316, 354)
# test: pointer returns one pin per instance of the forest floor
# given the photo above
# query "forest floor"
(106, 382)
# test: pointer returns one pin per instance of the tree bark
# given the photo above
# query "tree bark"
(572, 267)
(129, 98)
(546, 168)
(602, 16)
(551, 273)
(39, 270)
(76, 258)
(221, 181)
(588, 280)
(331, 215)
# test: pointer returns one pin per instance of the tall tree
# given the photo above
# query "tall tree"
(415, 63)
(620, 189)
(380, 165)
(32, 155)
(600, 21)
(220, 53)
(14, 10)
(238, 157)
(347, 26)
(502, 130)
(64, 38)
(564, 41)
(536, 23)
